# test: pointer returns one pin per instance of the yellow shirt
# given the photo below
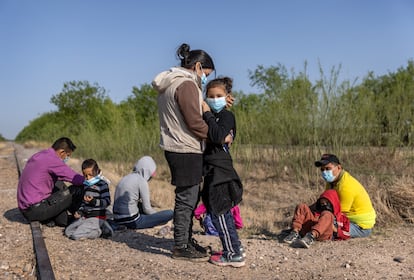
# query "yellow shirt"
(355, 201)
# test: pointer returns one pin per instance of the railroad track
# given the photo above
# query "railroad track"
(44, 270)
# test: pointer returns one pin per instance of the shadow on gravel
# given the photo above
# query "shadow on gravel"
(267, 235)
(14, 215)
(145, 243)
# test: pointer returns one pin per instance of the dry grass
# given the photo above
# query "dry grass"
(36, 145)
(401, 201)
(274, 182)
(276, 179)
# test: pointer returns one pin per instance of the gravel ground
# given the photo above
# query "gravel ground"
(145, 254)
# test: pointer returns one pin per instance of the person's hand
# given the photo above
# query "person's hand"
(229, 100)
(201, 221)
(205, 107)
(87, 198)
(335, 229)
(76, 215)
(229, 139)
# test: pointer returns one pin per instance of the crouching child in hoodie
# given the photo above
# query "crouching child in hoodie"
(132, 204)
(321, 221)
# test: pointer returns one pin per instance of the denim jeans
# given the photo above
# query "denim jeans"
(186, 200)
(152, 220)
(227, 232)
(357, 231)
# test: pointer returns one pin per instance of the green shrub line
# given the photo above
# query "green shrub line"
(289, 111)
(281, 131)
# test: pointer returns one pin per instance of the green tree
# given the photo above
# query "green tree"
(77, 97)
(288, 105)
(48, 127)
(80, 103)
(144, 102)
(392, 98)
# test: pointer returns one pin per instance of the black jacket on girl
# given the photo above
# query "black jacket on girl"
(222, 186)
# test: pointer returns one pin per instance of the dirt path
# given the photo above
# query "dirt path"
(142, 254)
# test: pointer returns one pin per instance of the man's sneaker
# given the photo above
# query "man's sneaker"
(293, 235)
(234, 261)
(198, 247)
(107, 230)
(189, 253)
(50, 223)
(306, 241)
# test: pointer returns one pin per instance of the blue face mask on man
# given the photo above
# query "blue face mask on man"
(328, 176)
(216, 104)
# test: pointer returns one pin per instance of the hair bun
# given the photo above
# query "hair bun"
(183, 51)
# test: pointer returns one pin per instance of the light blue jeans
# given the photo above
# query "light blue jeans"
(152, 220)
(357, 231)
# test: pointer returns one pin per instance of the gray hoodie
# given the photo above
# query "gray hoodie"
(133, 188)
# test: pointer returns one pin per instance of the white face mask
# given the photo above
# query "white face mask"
(65, 160)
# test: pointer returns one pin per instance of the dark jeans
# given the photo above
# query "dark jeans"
(54, 208)
(227, 232)
(186, 200)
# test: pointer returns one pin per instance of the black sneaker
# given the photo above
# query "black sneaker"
(293, 235)
(188, 253)
(198, 247)
(305, 242)
(50, 223)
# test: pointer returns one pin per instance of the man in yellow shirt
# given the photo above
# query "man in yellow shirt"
(355, 201)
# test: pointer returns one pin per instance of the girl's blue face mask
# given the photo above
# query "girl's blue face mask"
(92, 181)
(328, 176)
(216, 104)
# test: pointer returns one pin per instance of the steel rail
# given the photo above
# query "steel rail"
(44, 269)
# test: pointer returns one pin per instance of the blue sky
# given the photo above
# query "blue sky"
(121, 44)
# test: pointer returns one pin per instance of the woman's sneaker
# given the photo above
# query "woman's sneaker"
(234, 261)
(198, 247)
(292, 237)
(189, 253)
